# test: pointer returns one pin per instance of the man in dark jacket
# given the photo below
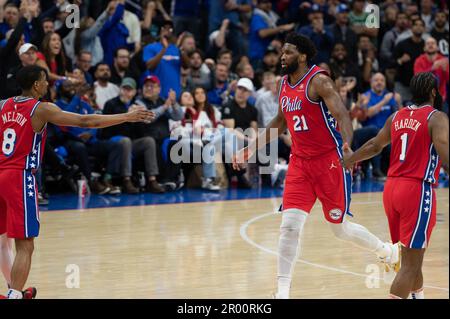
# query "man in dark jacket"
(138, 145)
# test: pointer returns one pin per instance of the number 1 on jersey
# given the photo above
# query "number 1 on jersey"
(9, 139)
(300, 123)
(404, 139)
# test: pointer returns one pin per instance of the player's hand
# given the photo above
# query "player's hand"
(388, 97)
(240, 158)
(346, 161)
(140, 115)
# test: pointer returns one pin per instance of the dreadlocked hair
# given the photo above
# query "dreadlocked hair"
(421, 86)
(303, 44)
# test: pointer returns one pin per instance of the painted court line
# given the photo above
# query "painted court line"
(243, 233)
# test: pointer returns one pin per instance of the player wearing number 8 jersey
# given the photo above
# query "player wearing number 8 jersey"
(312, 110)
(419, 138)
(23, 121)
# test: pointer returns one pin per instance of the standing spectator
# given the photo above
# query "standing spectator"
(389, 40)
(133, 24)
(200, 74)
(11, 18)
(163, 59)
(141, 148)
(185, 15)
(405, 54)
(432, 61)
(154, 15)
(104, 89)
(86, 38)
(342, 33)
(426, 13)
(218, 39)
(263, 28)
(358, 19)
(367, 60)
(121, 66)
(186, 43)
(321, 36)
(231, 10)
(440, 33)
(342, 66)
(114, 33)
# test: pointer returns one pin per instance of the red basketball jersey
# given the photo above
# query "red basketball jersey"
(313, 129)
(21, 147)
(412, 151)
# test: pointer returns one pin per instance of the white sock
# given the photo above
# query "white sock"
(291, 228)
(418, 294)
(14, 294)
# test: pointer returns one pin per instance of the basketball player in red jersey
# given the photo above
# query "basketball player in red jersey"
(23, 122)
(313, 111)
(419, 138)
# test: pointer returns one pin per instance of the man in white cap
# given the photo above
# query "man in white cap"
(239, 114)
(27, 56)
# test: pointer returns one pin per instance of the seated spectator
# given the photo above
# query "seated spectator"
(389, 39)
(342, 66)
(268, 80)
(84, 63)
(121, 66)
(27, 56)
(136, 146)
(432, 61)
(263, 28)
(269, 64)
(225, 56)
(163, 59)
(239, 114)
(380, 105)
(203, 118)
(367, 60)
(82, 142)
(53, 59)
(158, 130)
(104, 89)
(358, 20)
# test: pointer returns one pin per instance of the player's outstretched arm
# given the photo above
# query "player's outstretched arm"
(372, 148)
(278, 123)
(49, 112)
(326, 89)
(438, 126)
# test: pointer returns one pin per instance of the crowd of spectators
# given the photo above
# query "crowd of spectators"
(207, 66)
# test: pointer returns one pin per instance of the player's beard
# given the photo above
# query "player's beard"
(438, 102)
(291, 68)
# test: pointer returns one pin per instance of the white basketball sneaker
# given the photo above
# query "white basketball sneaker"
(392, 263)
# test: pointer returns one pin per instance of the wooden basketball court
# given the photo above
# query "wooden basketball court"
(215, 250)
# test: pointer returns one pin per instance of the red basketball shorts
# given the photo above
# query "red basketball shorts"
(320, 178)
(410, 206)
(19, 210)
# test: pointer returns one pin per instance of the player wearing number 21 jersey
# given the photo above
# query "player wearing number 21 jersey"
(318, 122)
(419, 144)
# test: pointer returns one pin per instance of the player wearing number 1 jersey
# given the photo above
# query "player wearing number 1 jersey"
(312, 110)
(23, 122)
(419, 138)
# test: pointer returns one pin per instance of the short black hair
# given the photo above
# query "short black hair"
(303, 44)
(116, 51)
(28, 75)
(100, 64)
(421, 86)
